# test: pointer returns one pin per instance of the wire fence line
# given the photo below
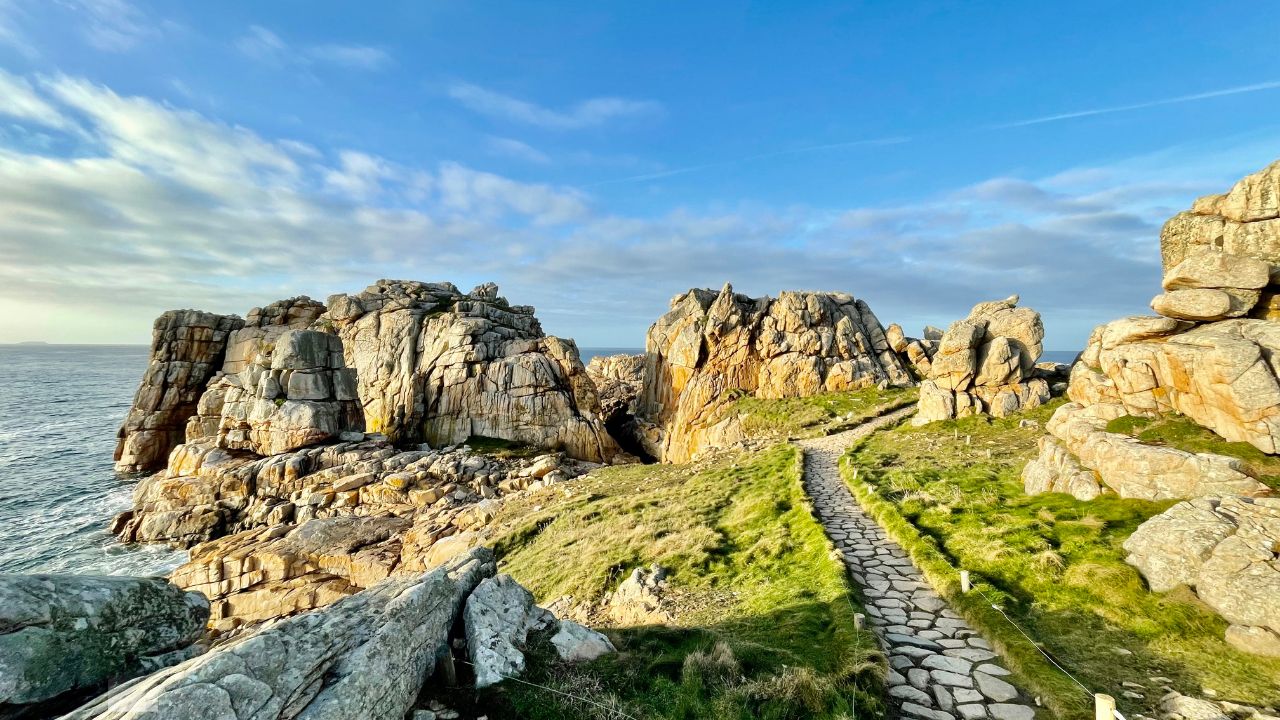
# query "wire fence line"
(571, 696)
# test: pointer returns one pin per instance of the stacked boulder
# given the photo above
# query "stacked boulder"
(263, 325)
(372, 655)
(434, 365)
(294, 393)
(713, 347)
(985, 364)
(64, 635)
(187, 349)
(917, 353)
(1210, 355)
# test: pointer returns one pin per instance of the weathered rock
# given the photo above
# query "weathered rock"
(639, 599)
(438, 366)
(1224, 548)
(1256, 640)
(985, 363)
(1220, 375)
(576, 643)
(1214, 269)
(1131, 468)
(262, 326)
(498, 618)
(61, 633)
(713, 346)
(619, 380)
(187, 348)
(1057, 470)
(365, 656)
(1199, 304)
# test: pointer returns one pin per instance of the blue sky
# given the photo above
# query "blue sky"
(597, 158)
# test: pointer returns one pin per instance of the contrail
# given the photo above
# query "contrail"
(1258, 87)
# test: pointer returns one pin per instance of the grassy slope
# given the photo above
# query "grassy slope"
(950, 492)
(1179, 432)
(764, 614)
(818, 414)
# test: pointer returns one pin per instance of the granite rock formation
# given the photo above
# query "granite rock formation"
(985, 364)
(291, 532)
(263, 325)
(712, 347)
(434, 365)
(65, 633)
(917, 353)
(1225, 549)
(295, 392)
(370, 655)
(1210, 355)
(187, 348)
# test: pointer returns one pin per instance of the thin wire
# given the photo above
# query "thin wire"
(558, 692)
(1033, 642)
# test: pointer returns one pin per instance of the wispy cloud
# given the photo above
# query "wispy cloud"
(18, 100)
(263, 45)
(588, 113)
(1239, 90)
(512, 148)
(659, 174)
(115, 25)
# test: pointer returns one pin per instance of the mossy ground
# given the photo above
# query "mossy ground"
(818, 414)
(1178, 431)
(498, 447)
(951, 494)
(764, 613)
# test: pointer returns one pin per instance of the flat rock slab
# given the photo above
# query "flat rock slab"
(932, 651)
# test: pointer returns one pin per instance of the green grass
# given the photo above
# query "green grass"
(818, 414)
(763, 610)
(1177, 431)
(950, 493)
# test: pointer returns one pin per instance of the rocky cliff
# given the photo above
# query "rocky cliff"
(985, 364)
(1209, 355)
(712, 347)
(187, 348)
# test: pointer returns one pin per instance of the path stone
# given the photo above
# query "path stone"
(931, 650)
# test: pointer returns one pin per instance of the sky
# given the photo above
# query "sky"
(597, 158)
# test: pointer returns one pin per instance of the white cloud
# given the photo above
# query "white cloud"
(263, 45)
(18, 100)
(588, 113)
(512, 148)
(162, 207)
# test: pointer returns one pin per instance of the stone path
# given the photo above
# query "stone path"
(940, 668)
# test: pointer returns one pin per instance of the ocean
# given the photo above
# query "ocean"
(60, 407)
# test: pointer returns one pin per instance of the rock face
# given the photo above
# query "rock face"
(917, 353)
(1225, 549)
(370, 655)
(61, 633)
(985, 364)
(295, 392)
(187, 348)
(263, 325)
(438, 366)
(711, 347)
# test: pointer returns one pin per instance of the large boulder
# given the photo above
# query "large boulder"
(365, 656)
(1080, 449)
(66, 633)
(187, 348)
(711, 347)
(1225, 549)
(439, 366)
(985, 364)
